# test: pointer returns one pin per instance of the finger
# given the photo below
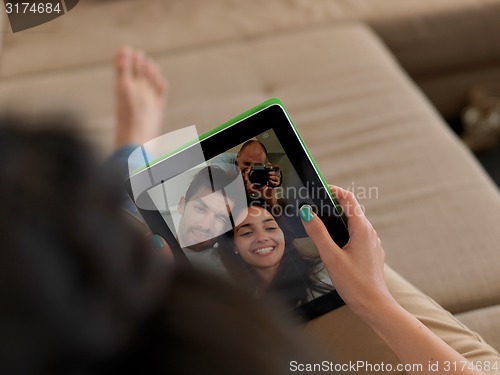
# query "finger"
(160, 244)
(317, 231)
(348, 202)
(356, 219)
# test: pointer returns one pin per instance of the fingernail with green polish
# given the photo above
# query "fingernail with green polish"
(157, 242)
(305, 213)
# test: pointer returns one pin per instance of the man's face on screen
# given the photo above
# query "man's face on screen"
(204, 218)
(250, 155)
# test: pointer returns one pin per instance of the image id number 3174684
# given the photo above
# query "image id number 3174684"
(459, 366)
(33, 7)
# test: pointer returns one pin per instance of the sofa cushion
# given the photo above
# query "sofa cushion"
(450, 92)
(484, 321)
(428, 37)
(431, 36)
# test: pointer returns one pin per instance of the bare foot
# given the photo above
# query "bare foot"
(141, 93)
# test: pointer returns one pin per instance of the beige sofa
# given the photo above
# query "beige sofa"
(337, 65)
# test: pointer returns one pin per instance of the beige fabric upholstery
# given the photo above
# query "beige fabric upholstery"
(486, 321)
(449, 92)
(446, 46)
(433, 36)
(433, 39)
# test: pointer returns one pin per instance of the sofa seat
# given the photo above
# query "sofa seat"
(486, 321)
(446, 46)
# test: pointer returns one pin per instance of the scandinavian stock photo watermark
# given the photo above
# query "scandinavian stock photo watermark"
(291, 198)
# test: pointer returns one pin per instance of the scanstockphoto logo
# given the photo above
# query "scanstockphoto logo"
(25, 14)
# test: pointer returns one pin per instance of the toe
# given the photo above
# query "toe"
(123, 60)
(139, 64)
(155, 77)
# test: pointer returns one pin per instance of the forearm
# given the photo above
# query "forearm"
(413, 342)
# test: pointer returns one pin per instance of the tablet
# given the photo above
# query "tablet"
(228, 202)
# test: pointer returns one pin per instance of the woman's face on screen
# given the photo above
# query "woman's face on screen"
(260, 241)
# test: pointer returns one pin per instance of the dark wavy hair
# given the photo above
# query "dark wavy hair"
(294, 279)
(212, 178)
(83, 292)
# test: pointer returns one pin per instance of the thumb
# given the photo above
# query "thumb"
(317, 231)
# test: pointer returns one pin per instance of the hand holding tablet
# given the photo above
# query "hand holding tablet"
(357, 269)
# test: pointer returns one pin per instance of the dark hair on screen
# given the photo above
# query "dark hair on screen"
(83, 292)
(211, 178)
(294, 280)
(297, 291)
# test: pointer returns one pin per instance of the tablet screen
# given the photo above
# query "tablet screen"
(235, 213)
